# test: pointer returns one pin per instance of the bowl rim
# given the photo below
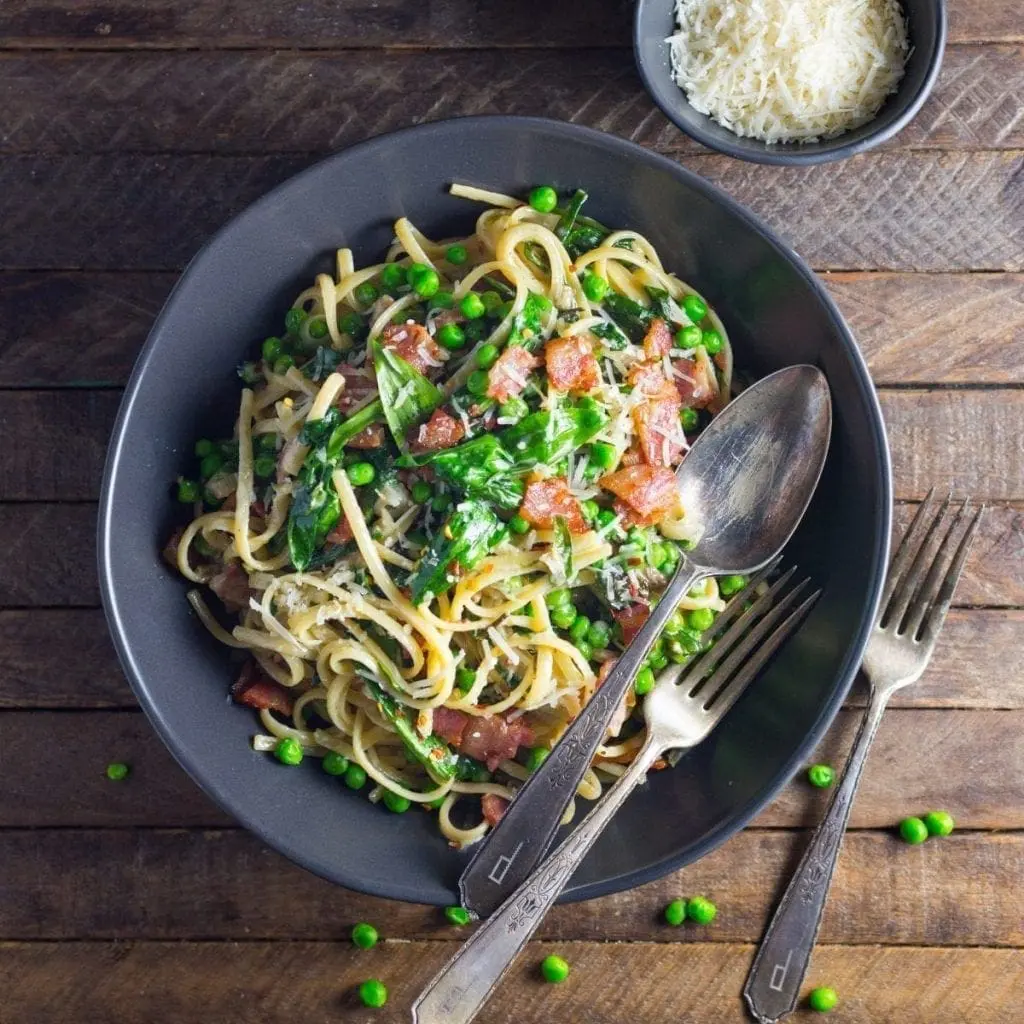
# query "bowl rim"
(831, 150)
(878, 556)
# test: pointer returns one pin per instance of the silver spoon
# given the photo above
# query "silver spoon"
(747, 481)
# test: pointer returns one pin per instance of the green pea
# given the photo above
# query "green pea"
(492, 303)
(476, 330)
(659, 555)
(506, 308)
(518, 525)
(579, 627)
(603, 455)
(595, 287)
(361, 473)
(421, 492)
(317, 328)
(451, 336)
(590, 509)
(441, 502)
(189, 491)
(334, 763)
(288, 751)
(712, 342)
(392, 276)
(457, 916)
(558, 598)
(938, 823)
(690, 419)
(553, 968)
(283, 365)
(701, 910)
(395, 802)
(443, 299)
(676, 623)
(821, 1000)
(294, 319)
(675, 913)
(271, 349)
(677, 654)
(688, 337)
(267, 443)
(364, 935)
(695, 308)
(544, 199)
(204, 447)
(456, 255)
(355, 776)
(117, 771)
(644, 682)
(659, 660)
(821, 775)
(264, 466)
(472, 306)
(599, 634)
(564, 616)
(366, 293)
(729, 585)
(351, 324)
(536, 757)
(373, 992)
(477, 383)
(487, 356)
(700, 619)
(210, 465)
(424, 280)
(465, 677)
(514, 409)
(913, 831)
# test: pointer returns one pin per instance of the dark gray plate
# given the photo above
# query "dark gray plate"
(236, 291)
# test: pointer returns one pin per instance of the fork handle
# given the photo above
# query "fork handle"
(464, 984)
(773, 985)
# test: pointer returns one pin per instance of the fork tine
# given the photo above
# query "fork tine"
(906, 551)
(724, 698)
(748, 644)
(915, 613)
(936, 616)
(737, 601)
(909, 584)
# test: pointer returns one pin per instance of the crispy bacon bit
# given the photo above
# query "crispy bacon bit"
(650, 380)
(631, 619)
(255, 690)
(447, 316)
(658, 339)
(647, 493)
(493, 807)
(694, 380)
(231, 585)
(440, 431)
(545, 499)
(341, 534)
(488, 738)
(571, 364)
(371, 437)
(656, 422)
(359, 385)
(508, 376)
(605, 671)
(632, 456)
(415, 345)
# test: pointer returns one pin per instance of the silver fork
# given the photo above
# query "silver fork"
(915, 600)
(679, 715)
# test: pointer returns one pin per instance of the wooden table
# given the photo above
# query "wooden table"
(129, 131)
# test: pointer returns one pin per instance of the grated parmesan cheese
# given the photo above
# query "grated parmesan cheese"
(789, 70)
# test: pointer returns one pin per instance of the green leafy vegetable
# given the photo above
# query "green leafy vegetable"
(562, 548)
(612, 337)
(633, 318)
(661, 305)
(546, 437)
(482, 468)
(471, 531)
(568, 219)
(408, 397)
(529, 322)
(356, 424)
(324, 362)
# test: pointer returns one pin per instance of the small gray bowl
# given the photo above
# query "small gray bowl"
(926, 29)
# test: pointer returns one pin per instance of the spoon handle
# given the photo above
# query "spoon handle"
(460, 989)
(522, 837)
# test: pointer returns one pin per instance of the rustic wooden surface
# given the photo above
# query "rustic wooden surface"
(130, 130)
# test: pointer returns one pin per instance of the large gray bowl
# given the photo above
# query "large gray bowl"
(235, 292)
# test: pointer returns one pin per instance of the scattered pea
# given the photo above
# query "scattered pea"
(441, 502)
(189, 491)
(334, 763)
(514, 409)
(264, 466)
(364, 935)
(675, 913)
(294, 319)
(595, 287)
(518, 525)
(658, 660)
(564, 616)
(579, 627)
(695, 308)
(392, 276)
(472, 306)
(938, 823)
(536, 757)
(689, 419)
(361, 473)
(913, 831)
(465, 677)
(355, 776)
(688, 337)
(599, 635)
(712, 342)
(451, 336)
(644, 682)
(421, 492)
(603, 455)
(585, 649)
(554, 969)
(558, 597)
(443, 299)
(457, 916)
(456, 255)
(366, 293)
(544, 199)
(270, 350)
(117, 771)
(729, 585)
(492, 303)
(317, 328)
(283, 364)
(700, 910)
(487, 356)
(351, 324)
(700, 619)
(821, 1000)
(395, 802)
(477, 383)
(373, 992)
(288, 751)
(821, 775)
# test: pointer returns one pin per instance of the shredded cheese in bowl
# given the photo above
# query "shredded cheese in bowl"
(789, 70)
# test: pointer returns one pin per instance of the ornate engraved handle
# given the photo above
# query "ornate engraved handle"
(773, 985)
(460, 989)
(519, 842)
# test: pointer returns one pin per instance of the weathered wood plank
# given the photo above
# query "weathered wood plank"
(968, 440)
(956, 760)
(122, 983)
(913, 210)
(272, 102)
(212, 24)
(41, 572)
(913, 328)
(121, 884)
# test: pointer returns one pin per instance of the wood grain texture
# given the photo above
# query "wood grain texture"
(258, 102)
(155, 884)
(957, 760)
(890, 211)
(208, 24)
(967, 440)
(39, 572)
(122, 983)
(912, 328)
